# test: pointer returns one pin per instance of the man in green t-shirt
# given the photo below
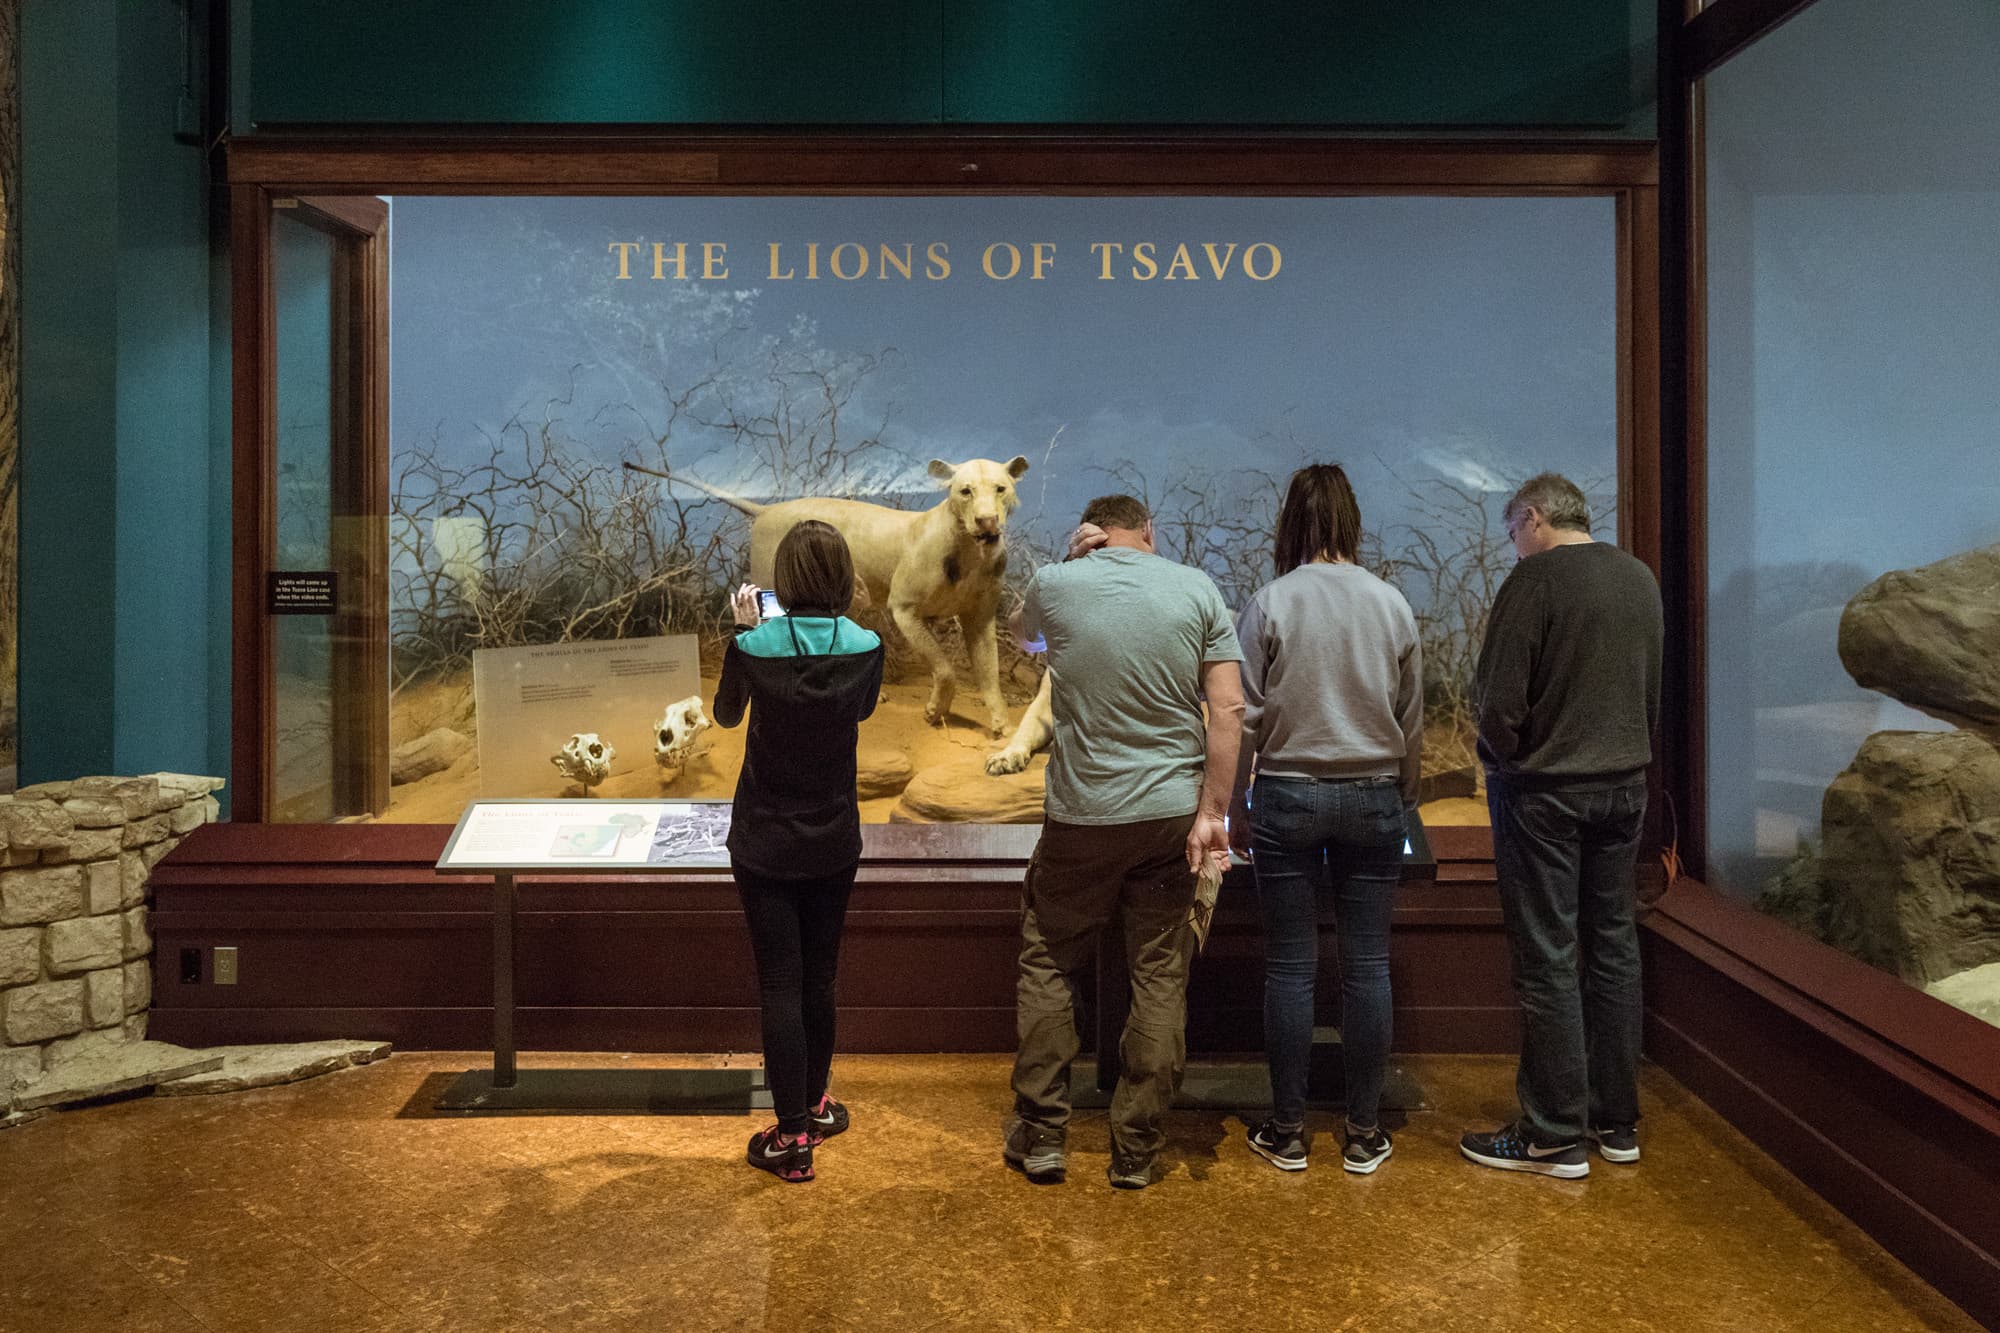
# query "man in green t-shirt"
(1138, 783)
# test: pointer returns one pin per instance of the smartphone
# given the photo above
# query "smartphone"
(767, 605)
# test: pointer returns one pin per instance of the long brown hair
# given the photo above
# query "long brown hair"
(1319, 517)
(813, 571)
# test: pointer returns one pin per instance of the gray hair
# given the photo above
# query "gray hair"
(1555, 497)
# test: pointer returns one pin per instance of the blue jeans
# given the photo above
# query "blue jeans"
(1344, 840)
(1566, 860)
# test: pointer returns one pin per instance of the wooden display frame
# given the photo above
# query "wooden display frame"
(269, 167)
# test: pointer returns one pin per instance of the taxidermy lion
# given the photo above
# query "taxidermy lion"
(928, 564)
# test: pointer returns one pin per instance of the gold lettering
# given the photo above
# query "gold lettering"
(624, 249)
(889, 260)
(812, 261)
(714, 260)
(1219, 267)
(1104, 251)
(1250, 268)
(937, 256)
(1182, 266)
(679, 261)
(1142, 253)
(775, 275)
(860, 261)
(986, 261)
(1041, 261)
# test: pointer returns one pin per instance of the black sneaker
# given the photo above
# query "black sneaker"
(1362, 1150)
(828, 1119)
(1036, 1152)
(1127, 1174)
(1282, 1148)
(1511, 1149)
(1616, 1145)
(787, 1158)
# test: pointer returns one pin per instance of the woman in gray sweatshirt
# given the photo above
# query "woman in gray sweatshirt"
(1333, 680)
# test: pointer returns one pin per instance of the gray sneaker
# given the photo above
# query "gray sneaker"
(1035, 1151)
(1620, 1144)
(1125, 1174)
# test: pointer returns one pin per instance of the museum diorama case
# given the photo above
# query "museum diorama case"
(1295, 301)
(603, 414)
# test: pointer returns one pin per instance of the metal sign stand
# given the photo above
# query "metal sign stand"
(508, 1088)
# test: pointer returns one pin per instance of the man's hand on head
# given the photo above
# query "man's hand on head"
(1087, 538)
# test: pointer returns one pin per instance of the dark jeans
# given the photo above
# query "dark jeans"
(795, 934)
(1566, 860)
(1315, 841)
(1081, 877)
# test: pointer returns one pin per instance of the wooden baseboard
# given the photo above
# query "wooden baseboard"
(1900, 1146)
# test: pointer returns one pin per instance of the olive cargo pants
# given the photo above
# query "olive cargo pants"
(1080, 878)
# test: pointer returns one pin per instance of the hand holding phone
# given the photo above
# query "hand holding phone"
(767, 605)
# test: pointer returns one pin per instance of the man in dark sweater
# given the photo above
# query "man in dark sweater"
(1568, 691)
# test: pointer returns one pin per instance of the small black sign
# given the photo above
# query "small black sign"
(300, 592)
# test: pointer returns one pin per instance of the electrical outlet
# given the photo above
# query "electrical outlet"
(225, 965)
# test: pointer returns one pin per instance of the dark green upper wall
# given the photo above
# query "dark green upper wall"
(570, 62)
(1508, 65)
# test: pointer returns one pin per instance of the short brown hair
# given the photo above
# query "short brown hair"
(1319, 517)
(812, 571)
(1117, 511)
(1558, 499)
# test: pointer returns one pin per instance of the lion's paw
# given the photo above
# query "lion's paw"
(1010, 760)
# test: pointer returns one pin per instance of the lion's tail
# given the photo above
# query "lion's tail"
(750, 507)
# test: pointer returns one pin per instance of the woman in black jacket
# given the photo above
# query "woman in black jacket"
(807, 678)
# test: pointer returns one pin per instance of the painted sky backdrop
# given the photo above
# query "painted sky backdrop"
(1420, 337)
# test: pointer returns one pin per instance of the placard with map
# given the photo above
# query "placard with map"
(575, 836)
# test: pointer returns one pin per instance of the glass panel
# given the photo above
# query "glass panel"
(1854, 494)
(1190, 351)
(303, 266)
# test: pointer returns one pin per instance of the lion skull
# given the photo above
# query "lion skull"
(677, 730)
(586, 760)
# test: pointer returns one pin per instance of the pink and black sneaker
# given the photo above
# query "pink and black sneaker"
(787, 1158)
(828, 1119)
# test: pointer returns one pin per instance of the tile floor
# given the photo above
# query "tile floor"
(344, 1204)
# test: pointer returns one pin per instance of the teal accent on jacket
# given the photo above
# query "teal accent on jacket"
(814, 635)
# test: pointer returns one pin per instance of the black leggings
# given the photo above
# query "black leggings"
(795, 933)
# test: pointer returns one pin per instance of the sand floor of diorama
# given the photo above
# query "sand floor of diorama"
(897, 724)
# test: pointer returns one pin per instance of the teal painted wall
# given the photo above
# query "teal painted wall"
(1440, 64)
(118, 446)
(69, 387)
(592, 61)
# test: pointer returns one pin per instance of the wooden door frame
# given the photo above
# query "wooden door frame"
(360, 482)
(267, 167)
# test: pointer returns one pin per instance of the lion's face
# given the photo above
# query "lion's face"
(980, 494)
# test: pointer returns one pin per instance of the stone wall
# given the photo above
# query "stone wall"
(75, 950)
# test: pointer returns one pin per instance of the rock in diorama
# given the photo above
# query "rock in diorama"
(1907, 876)
(963, 792)
(585, 760)
(1930, 638)
(1910, 854)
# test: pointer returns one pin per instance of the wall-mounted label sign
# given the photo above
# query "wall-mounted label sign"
(300, 592)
